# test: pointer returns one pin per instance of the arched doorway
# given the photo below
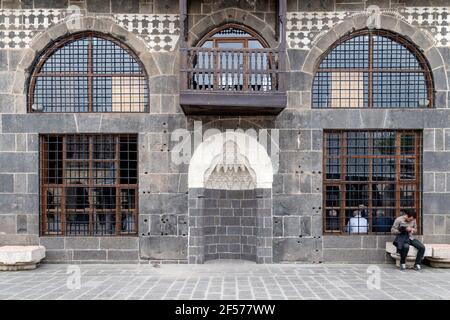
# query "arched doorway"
(230, 200)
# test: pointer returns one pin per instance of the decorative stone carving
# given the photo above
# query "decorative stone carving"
(246, 158)
(230, 170)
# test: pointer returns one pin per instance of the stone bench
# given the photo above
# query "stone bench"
(410, 258)
(13, 258)
(440, 256)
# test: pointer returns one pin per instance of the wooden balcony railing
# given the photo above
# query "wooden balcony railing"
(231, 70)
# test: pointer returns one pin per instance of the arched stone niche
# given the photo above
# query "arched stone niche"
(230, 200)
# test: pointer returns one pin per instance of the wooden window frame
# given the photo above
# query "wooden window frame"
(61, 211)
(398, 183)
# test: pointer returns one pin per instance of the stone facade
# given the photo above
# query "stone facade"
(151, 29)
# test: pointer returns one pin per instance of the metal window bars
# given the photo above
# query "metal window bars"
(370, 178)
(373, 69)
(88, 72)
(88, 184)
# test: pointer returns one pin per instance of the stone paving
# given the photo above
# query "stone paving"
(225, 281)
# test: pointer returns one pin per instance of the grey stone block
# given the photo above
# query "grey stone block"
(7, 103)
(125, 6)
(51, 4)
(8, 223)
(19, 162)
(439, 224)
(297, 249)
(123, 255)
(7, 142)
(6, 183)
(428, 182)
(82, 243)
(167, 248)
(296, 59)
(299, 81)
(19, 203)
(98, 6)
(22, 227)
(436, 161)
(119, 243)
(18, 239)
(354, 255)
(3, 60)
(278, 226)
(58, 255)
(6, 82)
(436, 203)
(92, 255)
(342, 242)
(52, 243)
(20, 183)
(291, 226)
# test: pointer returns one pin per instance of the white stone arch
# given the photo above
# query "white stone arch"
(207, 153)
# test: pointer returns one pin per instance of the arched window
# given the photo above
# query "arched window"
(373, 69)
(232, 58)
(88, 72)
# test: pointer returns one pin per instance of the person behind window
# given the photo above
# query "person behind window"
(404, 228)
(382, 223)
(333, 220)
(363, 210)
(357, 224)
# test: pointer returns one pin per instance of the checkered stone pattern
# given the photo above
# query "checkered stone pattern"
(433, 19)
(304, 28)
(160, 32)
(231, 281)
(18, 27)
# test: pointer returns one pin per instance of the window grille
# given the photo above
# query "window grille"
(88, 72)
(370, 178)
(89, 184)
(373, 69)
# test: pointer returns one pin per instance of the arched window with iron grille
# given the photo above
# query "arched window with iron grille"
(88, 72)
(373, 69)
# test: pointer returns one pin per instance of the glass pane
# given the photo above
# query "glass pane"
(408, 144)
(399, 90)
(104, 173)
(77, 147)
(357, 143)
(383, 219)
(356, 195)
(407, 168)
(391, 54)
(383, 169)
(104, 147)
(109, 57)
(353, 53)
(61, 94)
(384, 143)
(407, 195)
(72, 58)
(383, 195)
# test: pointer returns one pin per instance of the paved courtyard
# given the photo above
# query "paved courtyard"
(224, 281)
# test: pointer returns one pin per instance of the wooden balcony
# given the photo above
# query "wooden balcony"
(232, 81)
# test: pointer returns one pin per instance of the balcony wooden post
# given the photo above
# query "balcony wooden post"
(183, 45)
(282, 45)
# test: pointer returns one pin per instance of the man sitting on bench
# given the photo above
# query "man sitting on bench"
(404, 227)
